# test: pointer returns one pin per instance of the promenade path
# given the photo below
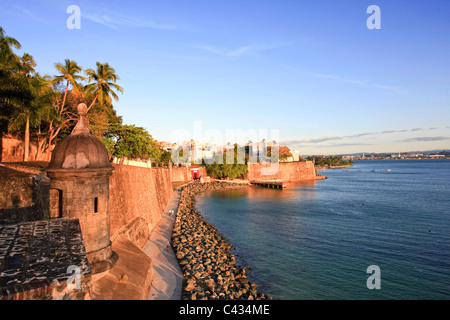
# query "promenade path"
(168, 278)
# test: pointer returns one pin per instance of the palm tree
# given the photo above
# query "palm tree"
(26, 64)
(6, 43)
(29, 114)
(104, 84)
(11, 88)
(68, 73)
(15, 91)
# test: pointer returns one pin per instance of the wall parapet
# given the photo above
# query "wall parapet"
(285, 171)
(39, 260)
(137, 198)
(24, 196)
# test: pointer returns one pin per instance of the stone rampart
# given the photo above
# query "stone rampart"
(286, 171)
(180, 175)
(137, 198)
(183, 174)
(39, 260)
(23, 195)
(12, 150)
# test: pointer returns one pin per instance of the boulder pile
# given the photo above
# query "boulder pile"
(209, 268)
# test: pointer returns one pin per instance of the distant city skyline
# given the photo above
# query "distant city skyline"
(311, 70)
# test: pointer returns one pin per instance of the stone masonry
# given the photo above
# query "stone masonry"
(38, 258)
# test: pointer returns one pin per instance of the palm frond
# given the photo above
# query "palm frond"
(104, 83)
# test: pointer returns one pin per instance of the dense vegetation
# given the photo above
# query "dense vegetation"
(283, 152)
(42, 108)
(235, 166)
(323, 161)
(133, 142)
(232, 167)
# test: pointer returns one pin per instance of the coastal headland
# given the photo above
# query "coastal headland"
(333, 167)
(209, 268)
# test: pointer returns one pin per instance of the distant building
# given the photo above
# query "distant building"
(167, 146)
(295, 155)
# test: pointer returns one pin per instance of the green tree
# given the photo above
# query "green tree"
(69, 75)
(104, 85)
(165, 157)
(26, 64)
(283, 152)
(30, 113)
(32, 106)
(322, 161)
(131, 142)
(13, 88)
(20, 91)
(232, 170)
(7, 55)
(61, 116)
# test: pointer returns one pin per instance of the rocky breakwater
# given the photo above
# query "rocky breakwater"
(209, 268)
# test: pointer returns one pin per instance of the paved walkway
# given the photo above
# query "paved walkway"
(167, 284)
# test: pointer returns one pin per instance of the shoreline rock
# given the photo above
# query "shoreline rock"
(209, 268)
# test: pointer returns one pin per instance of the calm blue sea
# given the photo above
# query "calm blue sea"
(315, 240)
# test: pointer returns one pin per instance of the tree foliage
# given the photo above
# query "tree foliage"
(132, 142)
(14, 90)
(104, 85)
(44, 107)
(283, 152)
(224, 169)
(323, 161)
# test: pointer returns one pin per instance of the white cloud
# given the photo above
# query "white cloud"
(359, 135)
(393, 131)
(357, 82)
(337, 78)
(308, 140)
(114, 20)
(103, 19)
(345, 145)
(425, 139)
(244, 50)
(24, 12)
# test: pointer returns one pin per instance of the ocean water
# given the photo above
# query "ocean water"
(316, 240)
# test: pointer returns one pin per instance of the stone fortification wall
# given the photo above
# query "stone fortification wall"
(183, 174)
(286, 171)
(137, 198)
(12, 150)
(38, 260)
(180, 175)
(23, 195)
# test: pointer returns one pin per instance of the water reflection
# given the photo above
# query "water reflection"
(313, 241)
(294, 191)
(262, 223)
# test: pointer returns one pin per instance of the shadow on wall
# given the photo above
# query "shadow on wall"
(12, 150)
(1, 145)
(23, 196)
(137, 198)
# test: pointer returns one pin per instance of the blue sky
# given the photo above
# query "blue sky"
(311, 70)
